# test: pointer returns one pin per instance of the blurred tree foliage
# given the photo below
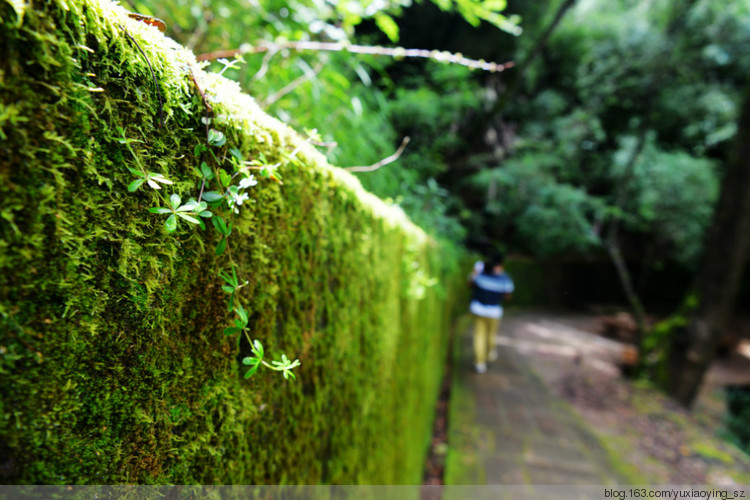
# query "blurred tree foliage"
(638, 97)
(350, 100)
(620, 117)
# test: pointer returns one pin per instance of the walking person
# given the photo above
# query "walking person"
(491, 286)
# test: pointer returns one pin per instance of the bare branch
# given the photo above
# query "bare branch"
(396, 52)
(385, 161)
(308, 75)
(264, 66)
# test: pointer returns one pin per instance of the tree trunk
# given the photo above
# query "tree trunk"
(718, 279)
(541, 42)
(612, 241)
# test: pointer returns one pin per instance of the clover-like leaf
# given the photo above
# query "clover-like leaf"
(216, 138)
(225, 178)
(171, 224)
(175, 200)
(159, 210)
(206, 171)
(231, 330)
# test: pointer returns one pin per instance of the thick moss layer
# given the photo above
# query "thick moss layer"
(114, 366)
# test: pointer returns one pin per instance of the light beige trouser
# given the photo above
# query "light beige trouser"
(484, 337)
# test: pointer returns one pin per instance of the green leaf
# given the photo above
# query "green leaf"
(221, 246)
(225, 178)
(231, 330)
(206, 171)
(236, 153)
(171, 224)
(159, 210)
(189, 218)
(135, 184)
(388, 26)
(250, 361)
(259, 348)
(175, 200)
(228, 289)
(135, 172)
(238, 324)
(242, 313)
(212, 196)
(220, 225)
(160, 178)
(216, 137)
(206, 214)
(252, 371)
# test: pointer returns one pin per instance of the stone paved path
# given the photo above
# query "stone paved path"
(506, 428)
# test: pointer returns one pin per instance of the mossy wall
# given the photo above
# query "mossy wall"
(113, 362)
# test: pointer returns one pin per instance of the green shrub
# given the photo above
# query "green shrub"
(113, 361)
(738, 415)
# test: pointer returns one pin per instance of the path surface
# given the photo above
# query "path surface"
(507, 428)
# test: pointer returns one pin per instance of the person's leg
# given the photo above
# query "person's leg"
(494, 329)
(481, 332)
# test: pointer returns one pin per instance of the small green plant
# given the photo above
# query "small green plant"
(285, 366)
(225, 181)
(189, 211)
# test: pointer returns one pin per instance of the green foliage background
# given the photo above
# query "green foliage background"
(113, 364)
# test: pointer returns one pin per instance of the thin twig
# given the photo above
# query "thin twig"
(396, 52)
(385, 161)
(291, 86)
(153, 75)
(264, 66)
(329, 145)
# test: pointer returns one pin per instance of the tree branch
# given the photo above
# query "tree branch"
(396, 52)
(385, 161)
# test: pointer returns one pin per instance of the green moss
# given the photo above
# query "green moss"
(114, 366)
(707, 449)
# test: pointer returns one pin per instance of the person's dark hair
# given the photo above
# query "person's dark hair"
(497, 259)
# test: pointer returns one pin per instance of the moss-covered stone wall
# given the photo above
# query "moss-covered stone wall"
(113, 360)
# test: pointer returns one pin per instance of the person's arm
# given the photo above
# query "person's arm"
(475, 272)
(511, 288)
